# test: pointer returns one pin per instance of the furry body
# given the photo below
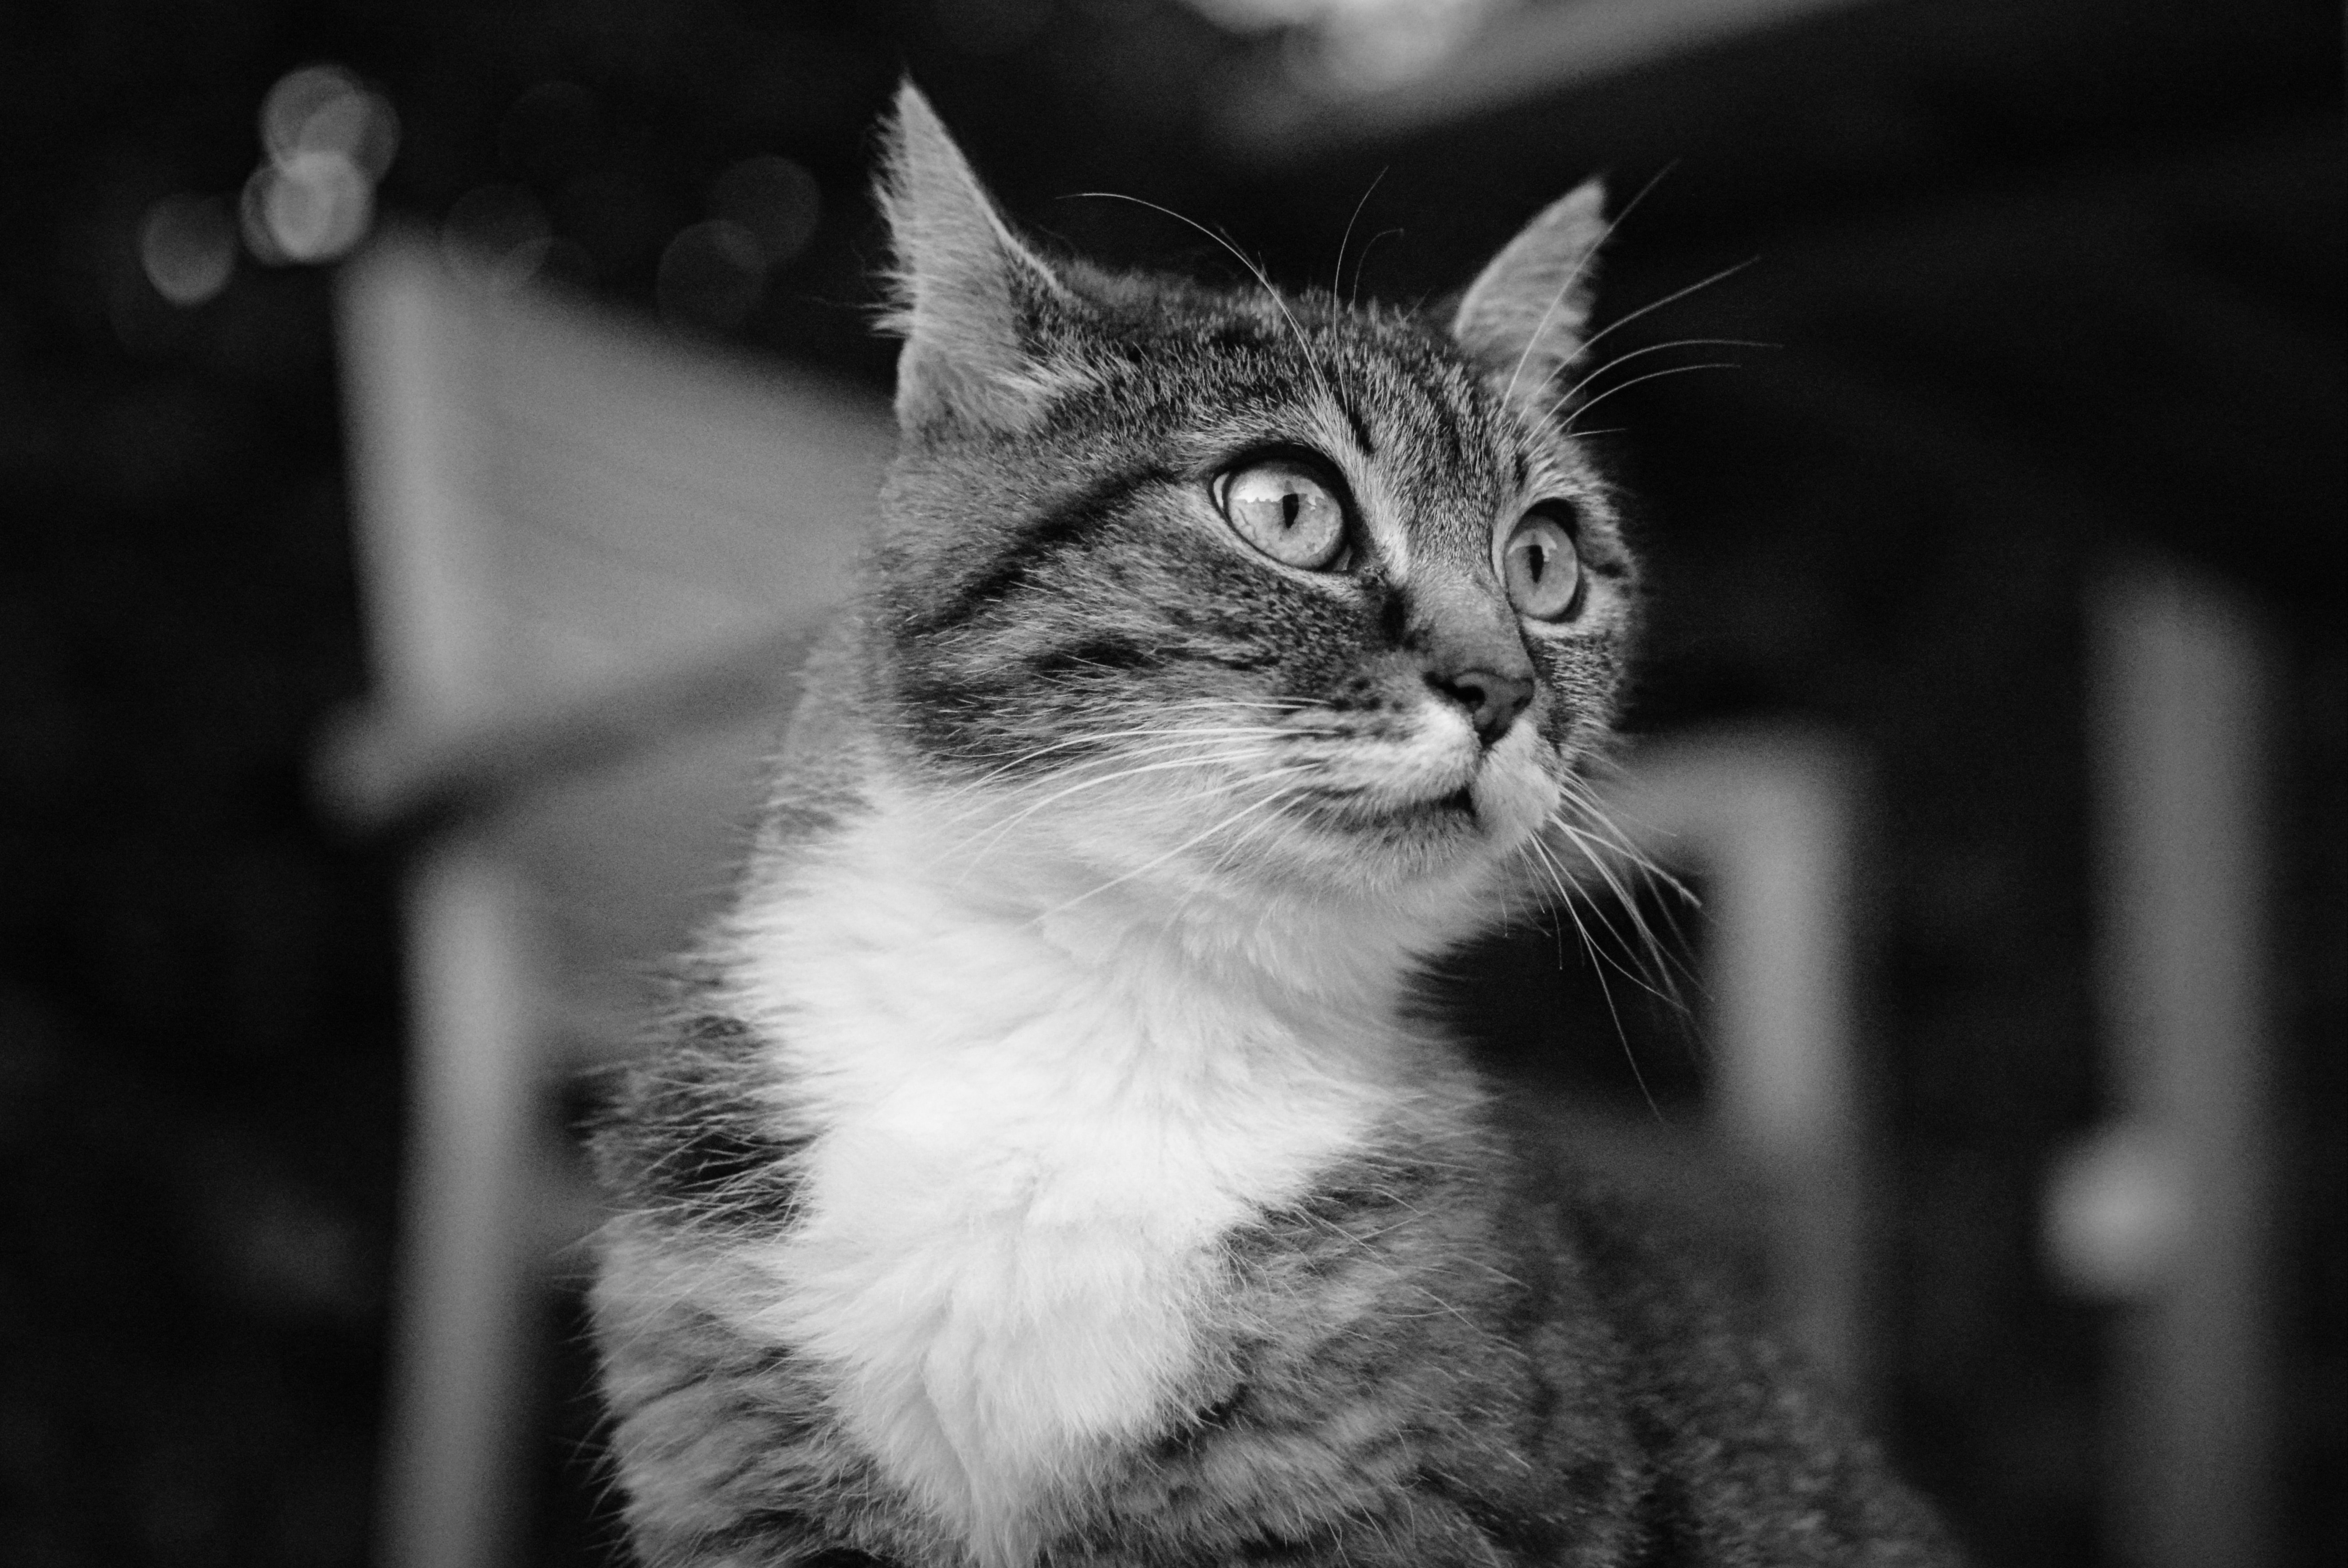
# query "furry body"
(1046, 1167)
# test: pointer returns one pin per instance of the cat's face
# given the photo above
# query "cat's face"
(1241, 584)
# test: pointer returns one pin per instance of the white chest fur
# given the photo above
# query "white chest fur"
(1034, 1133)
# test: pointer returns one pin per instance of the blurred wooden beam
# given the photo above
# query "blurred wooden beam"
(1771, 818)
(2184, 675)
(582, 541)
(390, 773)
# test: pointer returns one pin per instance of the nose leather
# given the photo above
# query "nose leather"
(1492, 699)
(1473, 653)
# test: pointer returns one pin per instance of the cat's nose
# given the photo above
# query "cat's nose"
(1492, 699)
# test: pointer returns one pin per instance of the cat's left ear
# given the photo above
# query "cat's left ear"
(969, 295)
(1526, 313)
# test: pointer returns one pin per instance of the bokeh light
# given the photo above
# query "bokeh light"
(187, 246)
(774, 199)
(325, 109)
(712, 276)
(328, 140)
(312, 207)
(496, 235)
(555, 259)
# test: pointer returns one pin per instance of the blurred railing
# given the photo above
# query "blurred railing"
(592, 558)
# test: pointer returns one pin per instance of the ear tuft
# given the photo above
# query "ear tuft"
(967, 293)
(1524, 315)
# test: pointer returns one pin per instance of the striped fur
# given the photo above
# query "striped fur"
(1046, 1167)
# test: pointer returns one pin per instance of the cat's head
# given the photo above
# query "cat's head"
(1237, 584)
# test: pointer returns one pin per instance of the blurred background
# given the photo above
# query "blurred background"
(2046, 289)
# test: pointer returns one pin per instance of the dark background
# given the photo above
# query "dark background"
(2047, 281)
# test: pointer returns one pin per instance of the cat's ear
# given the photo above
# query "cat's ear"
(1525, 315)
(967, 291)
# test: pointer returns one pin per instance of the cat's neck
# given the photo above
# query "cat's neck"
(904, 903)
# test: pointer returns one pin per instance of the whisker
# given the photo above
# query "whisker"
(1193, 742)
(1597, 968)
(1621, 321)
(1643, 982)
(1650, 376)
(1573, 277)
(1362, 261)
(1165, 732)
(1567, 396)
(1337, 275)
(1598, 831)
(1596, 813)
(1180, 757)
(1263, 826)
(1260, 276)
(1664, 977)
(1155, 862)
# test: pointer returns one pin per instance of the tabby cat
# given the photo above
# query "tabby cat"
(1043, 1165)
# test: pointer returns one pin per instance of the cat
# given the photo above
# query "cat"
(1046, 1162)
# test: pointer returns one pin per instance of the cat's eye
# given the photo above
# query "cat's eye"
(1542, 567)
(1284, 509)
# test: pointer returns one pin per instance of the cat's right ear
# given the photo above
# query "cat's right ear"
(1525, 315)
(968, 293)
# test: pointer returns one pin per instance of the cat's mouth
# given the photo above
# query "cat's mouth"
(1461, 802)
(1413, 786)
(1455, 808)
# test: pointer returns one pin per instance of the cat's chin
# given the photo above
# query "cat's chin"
(1438, 799)
(1384, 842)
(1360, 811)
